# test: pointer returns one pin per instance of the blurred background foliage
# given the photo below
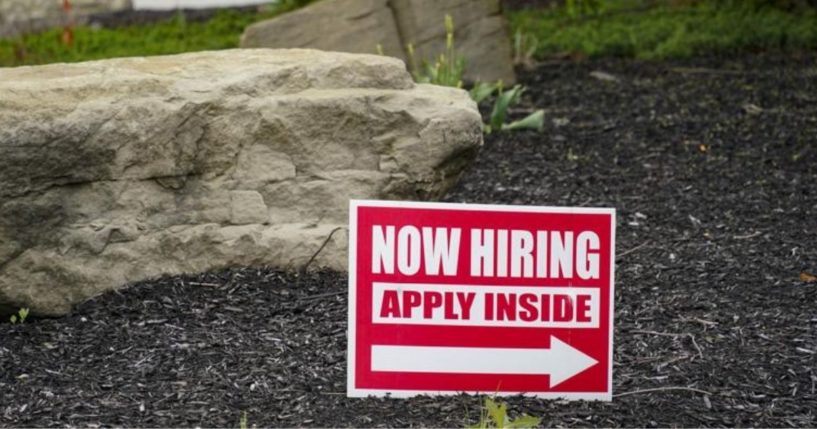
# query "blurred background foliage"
(668, 29)
(646, 29)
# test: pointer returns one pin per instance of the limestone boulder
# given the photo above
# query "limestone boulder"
(121, 170)
(481, 34)
(360, 25)
(355, 26)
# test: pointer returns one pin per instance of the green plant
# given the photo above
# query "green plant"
(446, 70)
(677, 29)
(493, 415)
(579, 8)
(174, 35)
(20, 317)
(499, 112)
(524, 47)
(483, 90)
(534, 121)
(242, 422)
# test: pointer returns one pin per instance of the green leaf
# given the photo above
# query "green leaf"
(482, 90)
(242, 422)
(503, 101)
(497, 413)
(534, 121)
(525, 422)
(23, 312)
(13, 319)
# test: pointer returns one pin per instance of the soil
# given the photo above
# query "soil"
(125, 18)
(712, 166)
(529, 4)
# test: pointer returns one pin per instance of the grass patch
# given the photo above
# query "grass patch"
(644, 29)
(172, 36)
(658, 30)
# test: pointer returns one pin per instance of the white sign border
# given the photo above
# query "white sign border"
(353, 392)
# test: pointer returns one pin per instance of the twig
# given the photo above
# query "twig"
(660, 334)
(627, 252)
(315, 255)
(664, 364)
(703, 70)
(288, 390)
(748, 236)
(663, 389)
(321, 295)
(701, 321)
(697, 347)
(203, 284)
(670, 334)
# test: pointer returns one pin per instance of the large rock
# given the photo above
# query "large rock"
(120, 170)
(356, 26)
(480, 33)
(360, 25)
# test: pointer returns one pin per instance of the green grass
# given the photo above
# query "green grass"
(169, 37)
(624, 28)
(630, 29)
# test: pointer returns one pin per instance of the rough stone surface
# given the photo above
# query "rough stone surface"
(480, 33)
(356, 26)
(359, 25)
(120, 170)
(25, 16)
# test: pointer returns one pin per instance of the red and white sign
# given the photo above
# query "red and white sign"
(449, 298)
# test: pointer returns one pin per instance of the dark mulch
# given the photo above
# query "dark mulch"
(712, 166)
(123, 18)
(529, 4)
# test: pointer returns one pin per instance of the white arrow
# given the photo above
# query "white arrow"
(561, 361)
